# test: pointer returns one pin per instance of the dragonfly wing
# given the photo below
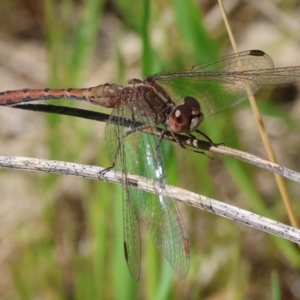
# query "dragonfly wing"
(121, 152)
(251, 60)
(221, 84)
(159, 212)
(132, 240)
(137, 154)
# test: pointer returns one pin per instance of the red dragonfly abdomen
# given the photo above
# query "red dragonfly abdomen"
(105, 95)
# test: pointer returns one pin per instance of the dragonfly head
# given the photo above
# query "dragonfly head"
(186, 117)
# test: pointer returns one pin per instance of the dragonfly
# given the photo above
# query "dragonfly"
(178, 102)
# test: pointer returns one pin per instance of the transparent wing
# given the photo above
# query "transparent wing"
(138, 155)
(117, 149)
(159, 212)
(221, 84)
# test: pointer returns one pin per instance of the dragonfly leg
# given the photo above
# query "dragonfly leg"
(178, 140)
(161, 136)
(104, 171)
(200, 152)
(203, 134)
(136, 129)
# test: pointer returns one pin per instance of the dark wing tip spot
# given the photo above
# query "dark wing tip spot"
(257, 53)
(125, 251)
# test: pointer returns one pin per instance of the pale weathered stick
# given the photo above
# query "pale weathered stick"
(202, 202)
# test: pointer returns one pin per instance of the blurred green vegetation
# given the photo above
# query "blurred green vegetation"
(80, 254)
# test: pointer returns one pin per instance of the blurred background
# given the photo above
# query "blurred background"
(62, 237)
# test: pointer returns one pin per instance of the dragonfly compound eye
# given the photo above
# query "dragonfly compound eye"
(193, 104)
(180, 118)
(196, 114)
(186, 117)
